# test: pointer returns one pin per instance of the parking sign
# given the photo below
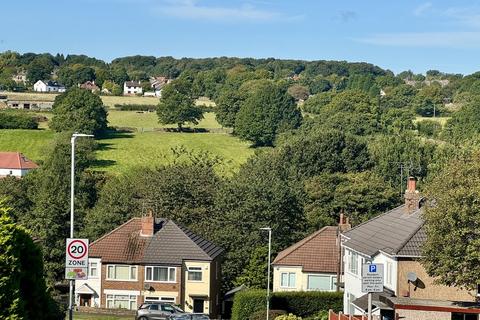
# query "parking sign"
(372, 277)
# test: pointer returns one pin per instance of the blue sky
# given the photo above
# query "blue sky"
(397, 35)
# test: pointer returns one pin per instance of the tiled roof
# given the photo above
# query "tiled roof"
(316, 253)
(394, 232)
(15, 160)
(132, 84)
(170, 244)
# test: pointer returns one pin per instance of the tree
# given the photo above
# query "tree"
(315, 103)
(266, 112)
(253, 276)
(465, 124)
(298, 92)
(228, 104)
(39, 69)
(23, 292)
(452, 223)
(429, 100)
(78, 110)
(177, 105)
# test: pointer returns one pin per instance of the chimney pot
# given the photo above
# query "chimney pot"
(412, 196)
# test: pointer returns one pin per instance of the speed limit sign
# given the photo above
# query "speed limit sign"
(76, 259)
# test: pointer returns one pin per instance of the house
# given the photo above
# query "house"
(20, 77)
(28, 104)
(152, 259)
(157, 84)
(395, 240)
(48, 86)
(132, 88)
(312, 263)
(90, 85)
(15, 164)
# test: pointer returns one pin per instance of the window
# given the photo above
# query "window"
(353, 262)
(388, 275)
(464, 316)
(93, 269)
(350, 299)
(120, 301)
(321, 283)
(195, 274)
(162, 299)
(287, 280)
(160, 274)
(122, 273)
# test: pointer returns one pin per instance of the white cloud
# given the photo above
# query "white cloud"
(460, 39)
(465, 16)
(421, 9)
(191, 9)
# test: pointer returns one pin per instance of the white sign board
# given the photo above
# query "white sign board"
(372, 277)
(76, 259)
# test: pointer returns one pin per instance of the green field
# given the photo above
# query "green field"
(121, 152)
(32, 143)
(441, 120)
(149, 120)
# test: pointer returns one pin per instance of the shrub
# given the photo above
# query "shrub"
(250, 304)
(262, 314)
(135, 107)
(307, 303)
(10, 120)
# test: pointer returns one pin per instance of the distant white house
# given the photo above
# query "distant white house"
(132, 88)
(48, 86)
(157, 84)
(15, 164)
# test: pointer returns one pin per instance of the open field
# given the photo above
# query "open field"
(31, 143)
(108, 101)
(149, 120)
(120, 153)
(442, 120)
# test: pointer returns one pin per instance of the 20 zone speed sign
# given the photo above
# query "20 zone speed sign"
(76, 259)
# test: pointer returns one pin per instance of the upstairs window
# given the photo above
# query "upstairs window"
(195, 274)
(160, 274)
(122, 273)
(93, 269)
(353, 262)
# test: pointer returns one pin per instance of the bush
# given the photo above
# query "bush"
(135, 107)
(288, 317)
(429, 128)
(10, 120)
(262, 314)
(307, 303)
(250, 304)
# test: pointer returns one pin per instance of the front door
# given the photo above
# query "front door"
(198, 305)
(85, 300)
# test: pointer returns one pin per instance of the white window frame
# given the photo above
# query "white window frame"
(129, 272)
(389, 273)
(168, 274)
(289, 285)
(90, 268)
(111, 297)
(353, 262)
(195, 269)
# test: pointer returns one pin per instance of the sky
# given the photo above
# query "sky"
(397, 35)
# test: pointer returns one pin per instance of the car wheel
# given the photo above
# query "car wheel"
(143, 318)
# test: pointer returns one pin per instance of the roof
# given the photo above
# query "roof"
(89, 85)
(362, 302)
(169, 245)
(15, 160)
(132, 84)
(316, 253)
(393, 232)
(433, 305)
(85, 289)
(51, 83)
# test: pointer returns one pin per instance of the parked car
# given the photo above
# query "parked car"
(188, 316)
(157, 311)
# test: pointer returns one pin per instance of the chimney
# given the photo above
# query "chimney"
(412, 196)
(148, 222)
(343, 223)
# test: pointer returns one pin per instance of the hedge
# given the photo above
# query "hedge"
(10, 120)
(302, 303)
(135, 107)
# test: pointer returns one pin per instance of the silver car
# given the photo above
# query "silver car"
(157, 311)
(188, 316)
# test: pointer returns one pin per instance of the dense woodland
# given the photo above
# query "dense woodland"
(330, 137)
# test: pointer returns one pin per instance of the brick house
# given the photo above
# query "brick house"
(15, 164)
(312, 263)
(395, 240)
(152, 259)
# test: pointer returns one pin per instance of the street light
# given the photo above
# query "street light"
(268, 273)
(72, 198)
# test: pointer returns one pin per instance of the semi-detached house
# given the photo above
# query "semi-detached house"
(395, 239)
(152, 259)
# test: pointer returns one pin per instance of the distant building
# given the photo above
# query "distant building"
(90, 85)
(30, 104)
(157, 84)
(132, 88)
(48, 86)
(20, 77)
(15, 164)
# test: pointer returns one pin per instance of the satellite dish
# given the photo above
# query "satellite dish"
(412, 276)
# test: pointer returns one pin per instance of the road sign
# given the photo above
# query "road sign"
(76, 259)
(372, 277)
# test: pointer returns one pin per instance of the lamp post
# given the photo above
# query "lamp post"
(268, 272)
(72, 198)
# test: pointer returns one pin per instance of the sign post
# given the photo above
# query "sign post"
(372, 281)
(76, 259)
